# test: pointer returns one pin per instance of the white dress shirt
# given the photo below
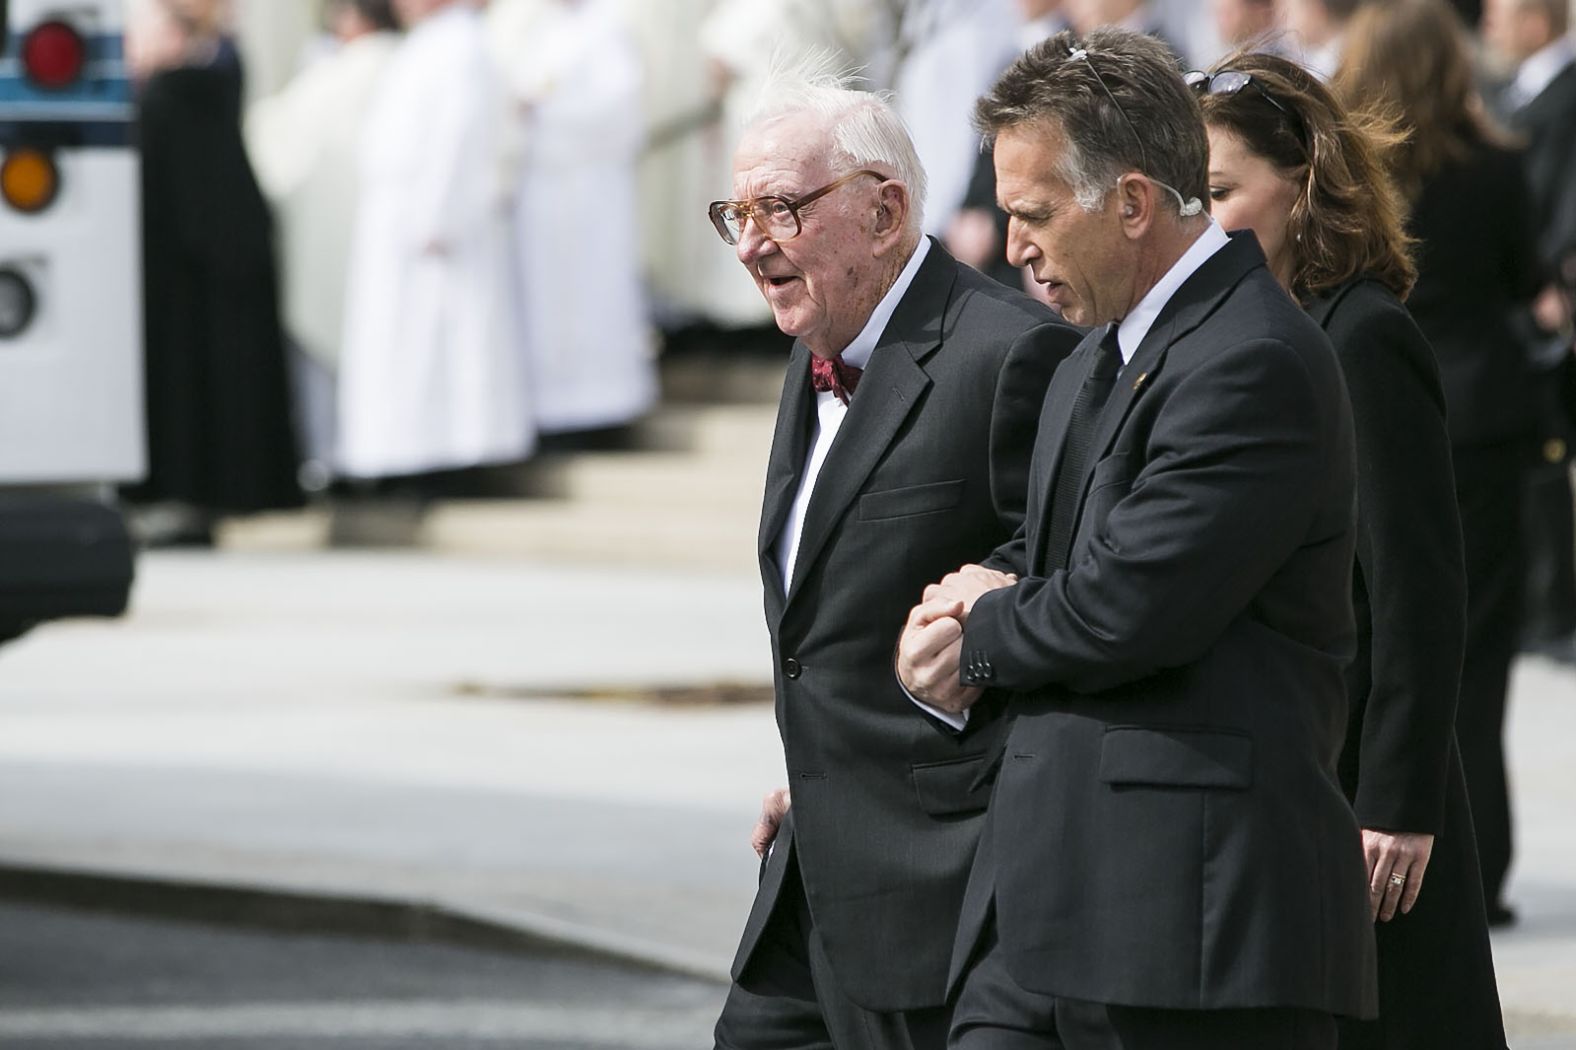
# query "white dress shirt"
(829, 411)
(1130, 333)
(1540, 69)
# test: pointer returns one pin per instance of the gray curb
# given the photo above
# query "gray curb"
(256, 907)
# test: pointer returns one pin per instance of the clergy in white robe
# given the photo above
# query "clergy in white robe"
(574, 78)
(431, 376)
(304, 145)
(953, 52)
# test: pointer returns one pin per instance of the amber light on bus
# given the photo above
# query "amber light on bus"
(54, 55)
(29, 179)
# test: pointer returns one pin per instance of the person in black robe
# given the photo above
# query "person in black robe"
(220, 436)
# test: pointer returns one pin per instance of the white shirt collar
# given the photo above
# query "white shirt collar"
(1141, 318)
(857, 353)
(1540, 68)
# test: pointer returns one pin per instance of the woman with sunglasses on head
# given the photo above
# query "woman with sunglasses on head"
(1288, 162)
(1473, 215)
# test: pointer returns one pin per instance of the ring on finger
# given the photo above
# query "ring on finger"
(1398, 880)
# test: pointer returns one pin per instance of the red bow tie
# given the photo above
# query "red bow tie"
(834, 375)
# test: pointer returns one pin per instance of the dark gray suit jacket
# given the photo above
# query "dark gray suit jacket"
(1168, 829)
(926, 473)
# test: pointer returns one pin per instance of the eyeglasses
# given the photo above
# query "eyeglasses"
(1189, 207)
(1231, 81)
(776, 217)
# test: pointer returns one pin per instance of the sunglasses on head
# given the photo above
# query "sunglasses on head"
(1232, 82)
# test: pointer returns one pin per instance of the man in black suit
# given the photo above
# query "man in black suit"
(1168, 859)
(1540, 105)
(902, 445)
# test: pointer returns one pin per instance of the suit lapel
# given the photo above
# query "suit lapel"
(1200, 295)
(889, 391)
(785, 465)
(1048, 446)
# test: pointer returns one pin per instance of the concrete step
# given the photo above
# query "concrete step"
(627, 481)
(713, 430)
(541, 530)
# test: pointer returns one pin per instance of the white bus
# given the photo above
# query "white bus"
(71, 404)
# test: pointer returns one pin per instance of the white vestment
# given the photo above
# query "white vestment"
(304, 145)
(575, 78)
(431, 375)
(957, 49)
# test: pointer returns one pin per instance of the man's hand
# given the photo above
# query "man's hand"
(774, 806)
(928, 655)
(966, 585)
(1396, 863)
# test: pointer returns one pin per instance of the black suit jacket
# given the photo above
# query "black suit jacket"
(927, 472)
(1549, 124)
(1477, 264)
(1409, 584)
(1168, 829)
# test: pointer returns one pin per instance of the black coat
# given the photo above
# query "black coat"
(1399, 764)
(1548, 122)
(926, 473)
(1168, 829)
(1477, 264)
(219, 424)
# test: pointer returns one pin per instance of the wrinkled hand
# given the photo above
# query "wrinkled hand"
(774, 806)
(966, 585)
(929, 653)
(1395, 853)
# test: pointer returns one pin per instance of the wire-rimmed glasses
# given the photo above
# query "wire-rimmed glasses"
(776, 217)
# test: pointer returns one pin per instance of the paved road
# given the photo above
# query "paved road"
(72, 980)
(359, 725)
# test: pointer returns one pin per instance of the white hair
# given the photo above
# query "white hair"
(864, 127)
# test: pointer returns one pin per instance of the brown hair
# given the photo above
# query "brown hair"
(1349, 219)
(1410, 57)
(1102, 92)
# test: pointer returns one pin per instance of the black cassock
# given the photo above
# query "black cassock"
(219, 427)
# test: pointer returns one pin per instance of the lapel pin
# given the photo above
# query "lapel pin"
(1139, 382)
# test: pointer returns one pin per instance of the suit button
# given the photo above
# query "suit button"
(791, 668)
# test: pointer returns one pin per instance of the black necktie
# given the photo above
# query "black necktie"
(1076, 447)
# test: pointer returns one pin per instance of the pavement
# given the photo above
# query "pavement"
(459, 738)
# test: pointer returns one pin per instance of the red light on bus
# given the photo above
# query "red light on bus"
(54, 55)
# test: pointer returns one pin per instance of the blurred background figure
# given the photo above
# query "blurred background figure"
(1531, 38)
(1248, 24)
(220, 437)
(1137, 15)
(977, 233)
(1476, 266)
(1315, 31)
(574, 80)
(431, 377)
(952, 51)
(304, 143)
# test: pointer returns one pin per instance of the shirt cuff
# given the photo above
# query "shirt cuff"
(956, 721)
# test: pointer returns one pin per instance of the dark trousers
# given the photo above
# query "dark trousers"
(1489, 495)
(786, 998)
(1551, 555)
(994, 1012)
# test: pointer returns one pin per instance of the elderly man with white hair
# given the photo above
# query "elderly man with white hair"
(902, 442)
